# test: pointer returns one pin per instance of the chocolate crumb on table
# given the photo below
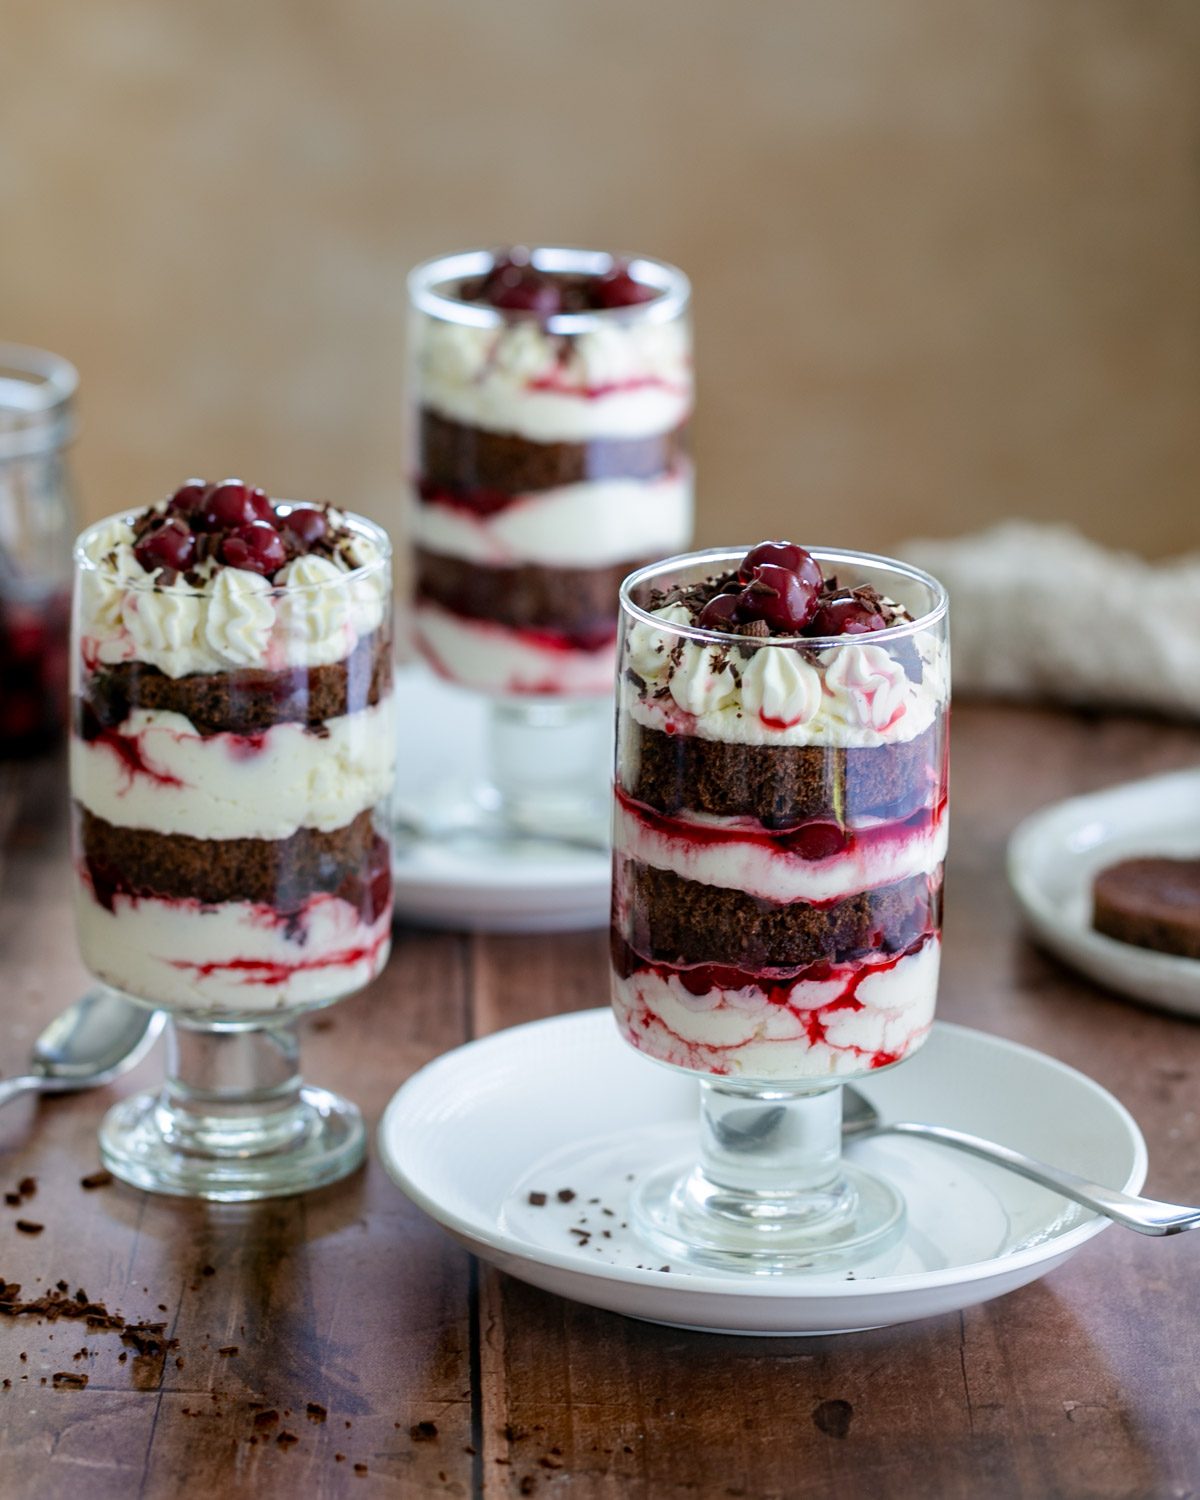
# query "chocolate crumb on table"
(316, 1412)
(28, 1226)
(96, 1180)
(565, 1195)
(423, 1432)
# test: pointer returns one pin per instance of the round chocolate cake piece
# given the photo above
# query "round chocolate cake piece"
(1150, 903)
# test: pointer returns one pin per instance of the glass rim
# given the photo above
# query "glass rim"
(370, 530)
(46, 421)
(673, 286)
(733, 555)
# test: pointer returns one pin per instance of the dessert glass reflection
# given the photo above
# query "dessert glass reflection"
(551, 394)
(779, 836)
(232, 763)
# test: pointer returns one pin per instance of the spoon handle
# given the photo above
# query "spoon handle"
(1146, 1215)
(10, 1088)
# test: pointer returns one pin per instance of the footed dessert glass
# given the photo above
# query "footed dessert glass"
(779, 835)
(232, 763)
(551, 395)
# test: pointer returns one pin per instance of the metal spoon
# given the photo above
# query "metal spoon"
(1146, 1215)
(91, 1042)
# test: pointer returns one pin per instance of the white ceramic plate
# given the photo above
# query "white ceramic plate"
(473, 1133)
(478, 883)
(1054, 855)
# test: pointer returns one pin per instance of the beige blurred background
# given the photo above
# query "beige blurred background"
(945, 252)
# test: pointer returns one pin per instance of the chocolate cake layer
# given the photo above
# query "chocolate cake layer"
(572, 600)
(673, 920)
(457, 456)
(239, 702)
(780, 785)
(280, 873)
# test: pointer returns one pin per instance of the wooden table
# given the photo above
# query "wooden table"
(434, 1376)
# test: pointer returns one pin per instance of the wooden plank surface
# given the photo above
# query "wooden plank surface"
(1084, 1384)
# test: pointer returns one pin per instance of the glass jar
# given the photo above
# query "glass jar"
(551, 445)
(779, 837)
(37, 522)
(232, 766)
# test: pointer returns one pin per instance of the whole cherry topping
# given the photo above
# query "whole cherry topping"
(720, 613)
(187, 498)
(306, 524)
(172, 545)
(782, 598)
(260, 503)
(515, 285)
(847, 616)
(783, 555)
(228, 506)
(257, 547)
(617, 288)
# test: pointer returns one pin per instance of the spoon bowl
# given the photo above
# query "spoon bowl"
(90, 1043)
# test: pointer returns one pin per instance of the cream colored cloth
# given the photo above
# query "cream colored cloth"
(1038, 611)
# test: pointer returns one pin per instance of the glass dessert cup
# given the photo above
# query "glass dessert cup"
(779, 837)
(550, 437)
(232, 761)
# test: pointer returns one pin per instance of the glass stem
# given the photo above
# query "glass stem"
(231, 1090)
(551, 760)
(770, 1144)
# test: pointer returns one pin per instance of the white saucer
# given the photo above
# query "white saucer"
(473, 1133)
(1054, 855)
(478, 883)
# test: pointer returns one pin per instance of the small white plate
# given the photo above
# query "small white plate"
(1054, 856)
(473, 1133)
(477, 882)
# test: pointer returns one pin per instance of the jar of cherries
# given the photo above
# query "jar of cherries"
(37, 523)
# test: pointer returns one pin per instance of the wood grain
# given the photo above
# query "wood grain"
(1082, 1385)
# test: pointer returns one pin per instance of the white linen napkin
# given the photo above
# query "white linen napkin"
(1039, 611)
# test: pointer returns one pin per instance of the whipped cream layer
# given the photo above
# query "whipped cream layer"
(155, 771)
(624, 378)
(578, 525)
(858, 1018)
(315, 615)
(855, 695)
(232, 958)
(491, 658)
(735, 854)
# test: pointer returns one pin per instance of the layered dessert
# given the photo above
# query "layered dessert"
(232, 752)
(553, 391)
(780, 822)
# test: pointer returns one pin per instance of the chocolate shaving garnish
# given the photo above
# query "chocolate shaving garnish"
(95, 1180)
(537, 1200)
(565, 1195)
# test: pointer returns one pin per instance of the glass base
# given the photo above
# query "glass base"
(149, 1143)
(685, 1216)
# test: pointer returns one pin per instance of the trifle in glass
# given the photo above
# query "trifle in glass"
(779, 836)
(551, 392)
(232, 762)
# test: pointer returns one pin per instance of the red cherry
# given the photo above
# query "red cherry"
(188, 498)
(227, 506)
(782, 555)
(306, 524)
(782, 598)
(848, 616)
(617, 288)
(171, 546)
(720, 613)
(260, 503)
(257, 548)
(531, 294)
